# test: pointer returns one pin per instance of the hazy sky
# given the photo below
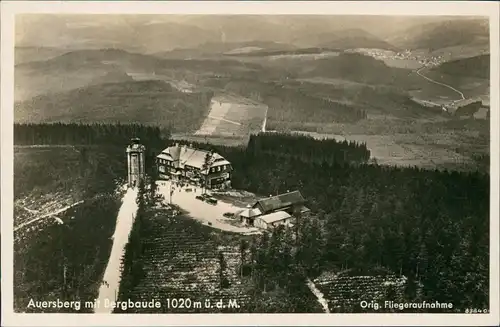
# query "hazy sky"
(151, 33)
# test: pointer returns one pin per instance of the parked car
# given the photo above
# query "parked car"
(199, 197)
(228, 215)
(211, 201)
(189, 190)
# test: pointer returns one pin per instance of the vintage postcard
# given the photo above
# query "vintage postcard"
(250, 163)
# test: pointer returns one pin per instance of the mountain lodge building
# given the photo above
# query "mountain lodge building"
(275, 210)
(194, 165)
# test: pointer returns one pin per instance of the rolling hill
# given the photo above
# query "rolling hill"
(215, 49)
(350, 39)
(80, 68)
(442, 34)
(85, 59)
(77, 69)
(379, 100)
(27, 54)
(361, 69)
(160, 33)
(147, 102)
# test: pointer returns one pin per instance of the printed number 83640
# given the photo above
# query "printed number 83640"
(476, 311)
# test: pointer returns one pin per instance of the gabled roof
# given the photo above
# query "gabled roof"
(280, 201)
(165, 156)
(275, 216)
(188, 156)
(220, 163)
(248, 213)
(304, 209)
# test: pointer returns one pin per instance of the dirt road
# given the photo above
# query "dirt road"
(51, 214)
(112, 275)
(462, 97)
(202, 211)
(319, 295)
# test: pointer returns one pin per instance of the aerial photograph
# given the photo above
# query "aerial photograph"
(170, 164)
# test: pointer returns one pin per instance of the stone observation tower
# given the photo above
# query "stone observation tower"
(135, 160)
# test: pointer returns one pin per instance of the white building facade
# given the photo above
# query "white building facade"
(193, 165)
(136, 162)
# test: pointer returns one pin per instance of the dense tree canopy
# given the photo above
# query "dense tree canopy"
(85, 134)
(431, 226)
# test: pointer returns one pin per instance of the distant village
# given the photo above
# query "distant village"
(407, 54)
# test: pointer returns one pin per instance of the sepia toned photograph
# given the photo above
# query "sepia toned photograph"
(251, 163)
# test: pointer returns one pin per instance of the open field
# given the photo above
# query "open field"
(430, 150)
(232, 116)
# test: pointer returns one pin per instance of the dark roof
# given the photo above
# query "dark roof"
(280, 201)
(249, 213)
(188, 156)
(275, 216)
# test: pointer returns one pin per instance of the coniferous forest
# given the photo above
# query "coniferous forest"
(431, 226)
(85, 134)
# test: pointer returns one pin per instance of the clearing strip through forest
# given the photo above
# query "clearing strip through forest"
(319, 295)
(108, 291)
(47, 215)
